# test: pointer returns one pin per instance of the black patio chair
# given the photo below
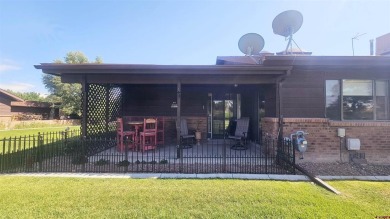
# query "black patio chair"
(240, 134)
(186, 139)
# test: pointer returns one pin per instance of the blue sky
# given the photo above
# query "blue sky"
(171, 31)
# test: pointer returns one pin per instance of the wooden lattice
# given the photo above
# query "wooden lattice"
(104, 103)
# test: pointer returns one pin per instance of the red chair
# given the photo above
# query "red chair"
(160, 131)
(148, 136)
(121, 134)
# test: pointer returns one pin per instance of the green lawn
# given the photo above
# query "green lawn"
(33, 131)
(18, 139)
(40, 197)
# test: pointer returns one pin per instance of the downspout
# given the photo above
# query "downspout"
(279, 83)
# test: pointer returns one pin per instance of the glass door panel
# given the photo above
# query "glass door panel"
(222, 110)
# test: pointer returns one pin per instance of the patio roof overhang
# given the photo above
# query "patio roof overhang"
(165, 74)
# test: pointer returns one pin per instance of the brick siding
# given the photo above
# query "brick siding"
(324, 145)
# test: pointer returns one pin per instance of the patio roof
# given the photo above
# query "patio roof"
(165, 74)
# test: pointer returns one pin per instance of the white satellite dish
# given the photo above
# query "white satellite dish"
(286, 24)
(251, 44)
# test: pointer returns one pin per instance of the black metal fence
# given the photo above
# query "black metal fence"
(68, 152)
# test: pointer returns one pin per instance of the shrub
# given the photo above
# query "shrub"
(79, 159)
(102, 162)
(163, 161)
(123, 163)
(3, 126)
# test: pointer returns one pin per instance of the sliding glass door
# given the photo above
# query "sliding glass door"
(222, 108)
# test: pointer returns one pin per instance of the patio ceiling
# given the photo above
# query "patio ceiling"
(165, 74)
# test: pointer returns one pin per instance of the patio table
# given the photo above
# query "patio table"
(137, 126)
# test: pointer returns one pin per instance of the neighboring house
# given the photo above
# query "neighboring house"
(11, 105)
(383, 45)
(316, 94)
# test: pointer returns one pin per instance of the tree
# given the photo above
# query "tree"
(69, 94)
(31, 96)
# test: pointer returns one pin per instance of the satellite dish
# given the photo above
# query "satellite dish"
(251, 44)
(286, 24)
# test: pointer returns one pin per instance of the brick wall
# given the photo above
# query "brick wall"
(324, 144)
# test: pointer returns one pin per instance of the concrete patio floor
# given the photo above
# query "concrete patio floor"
(207, 152)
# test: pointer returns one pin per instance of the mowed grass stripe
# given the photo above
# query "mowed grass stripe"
(35, 197)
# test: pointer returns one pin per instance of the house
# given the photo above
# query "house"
(383, 45)
(324, 96)
(11, 106)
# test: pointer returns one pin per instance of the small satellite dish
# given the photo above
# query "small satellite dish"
(286, 24)
(251, 44)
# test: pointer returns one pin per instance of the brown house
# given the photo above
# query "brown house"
(11, 105)
(339, 101)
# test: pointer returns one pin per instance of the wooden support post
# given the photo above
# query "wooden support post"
(84, 90)
(178, 119)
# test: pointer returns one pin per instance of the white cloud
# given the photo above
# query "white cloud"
(8, 65)
(5, 67)
(17, 86)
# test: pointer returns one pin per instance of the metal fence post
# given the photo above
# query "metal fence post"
(2, 157)
(39, 151)
(82, 155)
(224, 156)
(126, 169)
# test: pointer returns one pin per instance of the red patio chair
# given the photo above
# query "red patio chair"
(121, 134)
(160, 131)
(149, 134)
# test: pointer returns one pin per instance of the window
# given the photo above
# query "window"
(382, 100)
(333, 100)
(358, 100)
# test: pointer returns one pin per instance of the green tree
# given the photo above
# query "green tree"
(32, 96)
(69, 94)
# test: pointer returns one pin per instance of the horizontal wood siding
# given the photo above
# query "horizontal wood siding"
(270, 100)
(303, 92)
(5, 106)
(302, 95)
(156, 100)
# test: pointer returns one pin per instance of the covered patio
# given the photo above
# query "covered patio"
(207, 97)
(113, 90)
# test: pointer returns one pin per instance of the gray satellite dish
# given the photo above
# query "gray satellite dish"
(251, 44)
(286, 24)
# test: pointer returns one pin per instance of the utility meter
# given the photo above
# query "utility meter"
(299, 142)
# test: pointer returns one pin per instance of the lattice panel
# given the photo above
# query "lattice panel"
(115, 106)
(104, 105)
(96, 110)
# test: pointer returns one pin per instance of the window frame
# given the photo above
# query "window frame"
(374, 96)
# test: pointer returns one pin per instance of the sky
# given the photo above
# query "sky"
(171, 32)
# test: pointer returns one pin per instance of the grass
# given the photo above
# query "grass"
(18, 140)
(33, 131)
(40, 197)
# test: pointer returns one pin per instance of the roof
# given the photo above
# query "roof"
(10, 96)
(231, 70)
(164, 74)
(238, 60)
(34, 104)
(336, 61)
(294, 51)
(60, 69)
